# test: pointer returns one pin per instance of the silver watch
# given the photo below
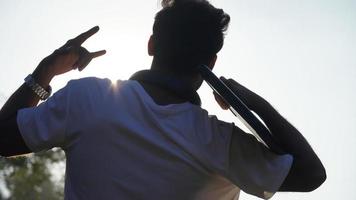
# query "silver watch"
(40, 91)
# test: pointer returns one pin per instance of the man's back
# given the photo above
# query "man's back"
(120, 142)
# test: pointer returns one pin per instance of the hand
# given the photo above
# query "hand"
(222, 103)
(249, 98)
(71, 55)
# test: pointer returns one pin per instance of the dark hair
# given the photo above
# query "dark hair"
(188, 32)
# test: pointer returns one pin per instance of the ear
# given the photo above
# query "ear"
(212, 62)
(150, 46)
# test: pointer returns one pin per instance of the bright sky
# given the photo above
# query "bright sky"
(298, 54)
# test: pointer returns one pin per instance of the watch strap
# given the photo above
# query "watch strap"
(36, 88)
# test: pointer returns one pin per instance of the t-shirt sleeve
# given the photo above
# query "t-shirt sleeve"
(212, 139)
(253, 167)
(44, 126)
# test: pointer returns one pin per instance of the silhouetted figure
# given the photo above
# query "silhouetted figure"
(148, 137)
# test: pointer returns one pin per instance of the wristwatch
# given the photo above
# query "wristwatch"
(40, 91)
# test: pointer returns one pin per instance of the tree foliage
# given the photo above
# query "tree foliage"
(32, 176)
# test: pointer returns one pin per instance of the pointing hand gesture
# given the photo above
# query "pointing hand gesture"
(71, 55)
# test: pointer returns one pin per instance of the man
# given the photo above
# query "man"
(148, 137)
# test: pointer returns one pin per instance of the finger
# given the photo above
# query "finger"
(227, 82)
(232, 84)
(84, 64)
(79, 63)
(97, 53)
(84, 36)
(62, 50)
(222, 103)
(83, 52)
(85, 60)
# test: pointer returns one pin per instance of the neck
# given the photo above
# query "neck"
(194, 80)
(166, 89)
(162, 67)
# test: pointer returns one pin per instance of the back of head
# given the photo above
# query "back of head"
(187, 33)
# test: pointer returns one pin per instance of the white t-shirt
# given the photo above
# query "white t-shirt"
(120, 144)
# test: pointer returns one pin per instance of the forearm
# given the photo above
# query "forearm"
(11, 142)
(24, 97)
(307, 171)
(290, 139)
(285, 134)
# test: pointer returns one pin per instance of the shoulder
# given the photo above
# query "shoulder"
(92, 85)
(211, 120)
(89, 81)
(211, 127)
(86, 89)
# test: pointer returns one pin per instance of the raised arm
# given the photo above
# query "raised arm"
(68, 57)
(307, 172)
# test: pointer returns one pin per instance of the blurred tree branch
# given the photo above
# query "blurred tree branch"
(31, 176)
